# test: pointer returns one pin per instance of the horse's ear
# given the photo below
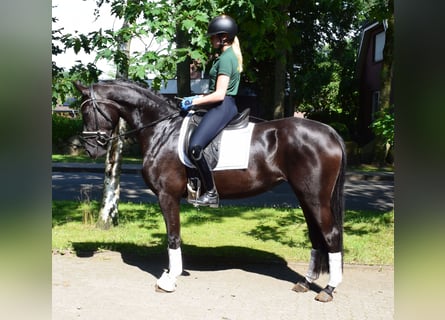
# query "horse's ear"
(81, 87)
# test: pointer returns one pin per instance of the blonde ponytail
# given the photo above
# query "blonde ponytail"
(237, 50)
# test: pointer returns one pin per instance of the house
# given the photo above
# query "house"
(65, 109)
(369, 67)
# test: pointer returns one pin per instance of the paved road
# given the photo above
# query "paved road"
(111, 285)
(362, 193)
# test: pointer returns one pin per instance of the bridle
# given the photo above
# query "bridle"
(101, 137)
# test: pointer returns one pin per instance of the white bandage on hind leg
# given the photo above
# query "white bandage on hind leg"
(311, 274)
(166, 282)
(335, 269)
(175, 262)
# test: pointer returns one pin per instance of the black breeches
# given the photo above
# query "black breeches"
(211, 124)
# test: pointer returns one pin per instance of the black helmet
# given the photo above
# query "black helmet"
(223, 24)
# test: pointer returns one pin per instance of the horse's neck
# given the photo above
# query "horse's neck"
(138, 117)
(138, 110)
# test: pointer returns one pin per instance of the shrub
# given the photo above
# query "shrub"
(64, 128)
(383, 126)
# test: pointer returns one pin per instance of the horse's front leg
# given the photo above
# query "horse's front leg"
(170, 210)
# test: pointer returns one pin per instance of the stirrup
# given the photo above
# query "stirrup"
(210, 199)
(193, 190)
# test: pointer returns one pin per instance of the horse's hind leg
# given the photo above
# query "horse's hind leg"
(325, 234)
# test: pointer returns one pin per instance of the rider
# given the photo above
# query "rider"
(220, 102)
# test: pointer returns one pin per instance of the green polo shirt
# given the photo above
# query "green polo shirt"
(227, 64)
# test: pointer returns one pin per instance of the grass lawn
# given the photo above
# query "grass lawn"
(230, 232)
(87, 159)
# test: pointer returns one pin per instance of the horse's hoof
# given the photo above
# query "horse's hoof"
(324, 296)
(166, 283)
(160, 290)
(301, 287)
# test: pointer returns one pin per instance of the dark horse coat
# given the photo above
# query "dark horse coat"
(307, 154)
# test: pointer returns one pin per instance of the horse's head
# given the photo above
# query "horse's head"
(100, 116)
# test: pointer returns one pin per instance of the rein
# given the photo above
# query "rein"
(102, 137)
(151, 124)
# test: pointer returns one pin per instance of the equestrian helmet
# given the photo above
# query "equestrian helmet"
(223, 24)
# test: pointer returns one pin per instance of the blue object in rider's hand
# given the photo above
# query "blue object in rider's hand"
(187, 103)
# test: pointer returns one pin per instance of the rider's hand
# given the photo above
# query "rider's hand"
(187, 103)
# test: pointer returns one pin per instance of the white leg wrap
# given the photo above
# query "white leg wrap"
(311, 275)
(335, 269)
(175, 262)
(167, 282)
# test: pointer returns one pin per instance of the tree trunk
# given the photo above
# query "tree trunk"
(279, 86)
(266, 84)
(291, 103)
(387, 68)
(183, 68)
(109, 212)
(385, 102)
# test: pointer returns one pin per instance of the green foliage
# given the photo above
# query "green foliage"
(318, 40)
(157, 20)
(319, 89)
(379, 9)
(383, 126)
(342, 130)
(64, 128)
(62, 81)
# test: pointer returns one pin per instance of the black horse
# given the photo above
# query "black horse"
(307, 154)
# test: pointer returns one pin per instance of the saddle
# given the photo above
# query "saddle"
(211, 152)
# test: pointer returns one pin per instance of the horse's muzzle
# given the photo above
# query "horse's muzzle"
(95, 143)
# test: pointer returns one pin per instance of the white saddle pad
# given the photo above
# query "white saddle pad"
(234, 148)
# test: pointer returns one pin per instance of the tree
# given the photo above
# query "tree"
(295, 39)
(113, 163)
(309, 45)
(109, 209)
(280, 35)
(265, 43)
(141, 19)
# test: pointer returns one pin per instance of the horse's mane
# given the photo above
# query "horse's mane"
(143, 89)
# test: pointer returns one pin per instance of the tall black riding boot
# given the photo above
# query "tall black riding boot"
(210, 197)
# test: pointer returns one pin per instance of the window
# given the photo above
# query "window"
(379, 44)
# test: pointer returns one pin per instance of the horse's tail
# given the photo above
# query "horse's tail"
(338, 197)
(337, 207)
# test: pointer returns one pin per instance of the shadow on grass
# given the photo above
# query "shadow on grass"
(154, 259)
(269, 226)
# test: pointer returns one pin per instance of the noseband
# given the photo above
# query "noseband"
(101, 137)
